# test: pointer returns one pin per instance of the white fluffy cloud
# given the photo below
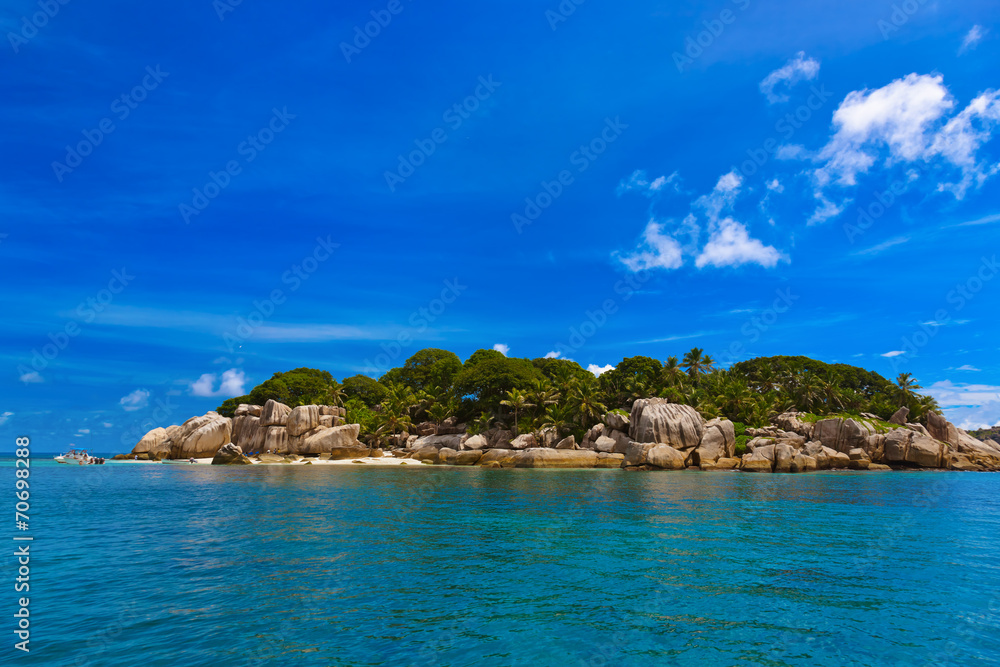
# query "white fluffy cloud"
(137, 400)
(729, 242)
(906, 122)
(502, 348)
(799, 68)
(657, 250)
(730, 245)
(231, 384)
(968, 405)
(553, 355)
(597, 370)
(5, 416)
(972, 38)
(898, 116)
(32, 377)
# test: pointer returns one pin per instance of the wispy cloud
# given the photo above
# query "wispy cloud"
(972, 39)
(989, 219)
(502, 348)
(799, 68)
(670, 339)
(967, 367)
(968, 405)
(5, 416)
(885, 245)
(32, 377)
(894, 353)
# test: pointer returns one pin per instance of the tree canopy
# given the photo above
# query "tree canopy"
(522, 394)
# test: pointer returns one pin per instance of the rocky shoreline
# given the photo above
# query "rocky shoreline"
(656, 435)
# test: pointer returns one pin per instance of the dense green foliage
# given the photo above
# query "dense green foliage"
(300, 386)
(491, 390)
(487, 376)
(365, 389)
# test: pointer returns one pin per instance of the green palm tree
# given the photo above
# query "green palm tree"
(672, 371)
(483, 422)
(541, 395)
(830, 391)
(558, 417)
(440, 411)
(907, 386)
(708, 364)
(393, 423)
(399, 398)
(808, 393)
(585, 404)
(337, 396)
(516, 400)
(694, 362)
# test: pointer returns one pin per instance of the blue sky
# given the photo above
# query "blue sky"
(195, 198)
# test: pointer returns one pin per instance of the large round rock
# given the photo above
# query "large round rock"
(660, 421)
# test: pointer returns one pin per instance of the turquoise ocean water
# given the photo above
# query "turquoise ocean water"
(149, 564)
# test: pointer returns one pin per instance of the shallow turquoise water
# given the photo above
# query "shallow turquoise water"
(145, 564)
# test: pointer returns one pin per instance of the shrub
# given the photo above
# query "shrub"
(741, 445)
(740, 428)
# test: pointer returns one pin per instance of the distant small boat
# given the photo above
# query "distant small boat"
(79, 457)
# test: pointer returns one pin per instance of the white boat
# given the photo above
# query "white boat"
(78, 457)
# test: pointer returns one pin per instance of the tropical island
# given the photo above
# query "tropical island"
(769, 414)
